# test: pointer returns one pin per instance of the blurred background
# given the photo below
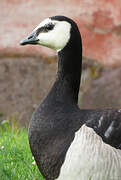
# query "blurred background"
(27, 73)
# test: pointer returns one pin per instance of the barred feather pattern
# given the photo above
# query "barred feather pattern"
(89, 157)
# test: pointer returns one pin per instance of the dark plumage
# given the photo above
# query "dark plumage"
(55, 121)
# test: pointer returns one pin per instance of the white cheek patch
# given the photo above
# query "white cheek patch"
(62, 35)
(58, 37)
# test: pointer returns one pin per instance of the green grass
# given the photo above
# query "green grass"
(16, 161)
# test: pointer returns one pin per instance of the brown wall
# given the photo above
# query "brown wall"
(25, 81)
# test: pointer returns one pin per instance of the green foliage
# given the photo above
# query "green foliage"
(16, 161)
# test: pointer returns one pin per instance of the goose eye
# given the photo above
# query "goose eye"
(49, 26)
(45, 28)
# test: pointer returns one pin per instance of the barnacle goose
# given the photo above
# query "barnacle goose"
(69, 143)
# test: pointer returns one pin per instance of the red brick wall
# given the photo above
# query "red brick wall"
(99, 22)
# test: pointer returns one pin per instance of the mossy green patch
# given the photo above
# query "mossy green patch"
(16, 161)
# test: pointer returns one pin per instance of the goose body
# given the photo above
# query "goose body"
(69, 143)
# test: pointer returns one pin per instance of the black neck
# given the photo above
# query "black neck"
(66, 86)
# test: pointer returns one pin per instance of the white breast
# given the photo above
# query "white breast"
(89, 158)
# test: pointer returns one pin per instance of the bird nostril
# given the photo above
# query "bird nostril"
(31, 36)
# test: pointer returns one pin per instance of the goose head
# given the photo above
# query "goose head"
(54, 32)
